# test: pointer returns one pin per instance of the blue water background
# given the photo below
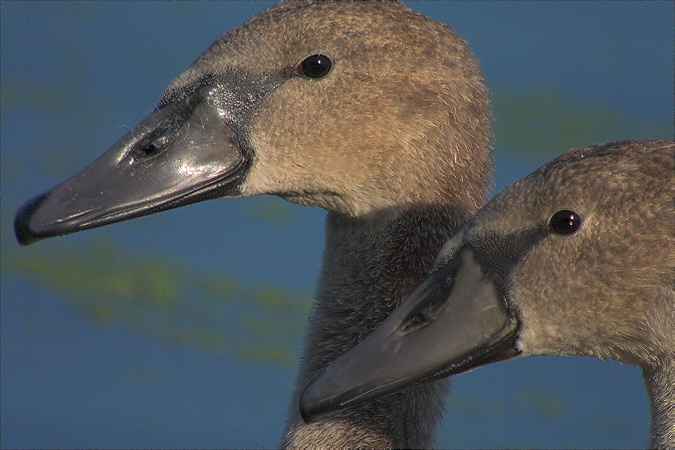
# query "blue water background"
(183, 329)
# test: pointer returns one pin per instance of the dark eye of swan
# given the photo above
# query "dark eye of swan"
(564, 222)
(315, 66)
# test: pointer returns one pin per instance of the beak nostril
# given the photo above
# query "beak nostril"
(435, 292)
(149, 148)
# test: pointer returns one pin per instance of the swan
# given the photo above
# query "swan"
(578, 258)
(366, 109)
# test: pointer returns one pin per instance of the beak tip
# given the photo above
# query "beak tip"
(304, 413)
(22, 229)
(308, 410)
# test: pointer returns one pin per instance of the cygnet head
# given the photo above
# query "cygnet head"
(576, 258)
(356, 107)
(597, 278)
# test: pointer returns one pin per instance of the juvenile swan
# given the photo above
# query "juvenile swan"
(576, 258)
(367, 109)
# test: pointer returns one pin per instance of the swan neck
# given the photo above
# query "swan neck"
(660, 383)
(369, 268)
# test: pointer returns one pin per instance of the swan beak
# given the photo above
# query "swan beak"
(455, 321)
(183, 152)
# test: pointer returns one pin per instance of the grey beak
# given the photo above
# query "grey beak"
(453, 322)
(181, 153)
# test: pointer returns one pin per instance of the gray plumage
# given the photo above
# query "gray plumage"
(394, 142)
(576, 258)
(608, 291)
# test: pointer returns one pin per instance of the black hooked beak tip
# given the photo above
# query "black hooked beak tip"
(456, 320)
(181, 153)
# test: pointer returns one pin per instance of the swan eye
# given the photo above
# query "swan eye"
(564, 222)
(315, 66)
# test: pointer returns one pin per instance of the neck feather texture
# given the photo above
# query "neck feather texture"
(661, 389)
(368, 269)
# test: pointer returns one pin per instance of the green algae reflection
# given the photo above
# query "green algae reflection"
(542, 123)
(159, 298)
